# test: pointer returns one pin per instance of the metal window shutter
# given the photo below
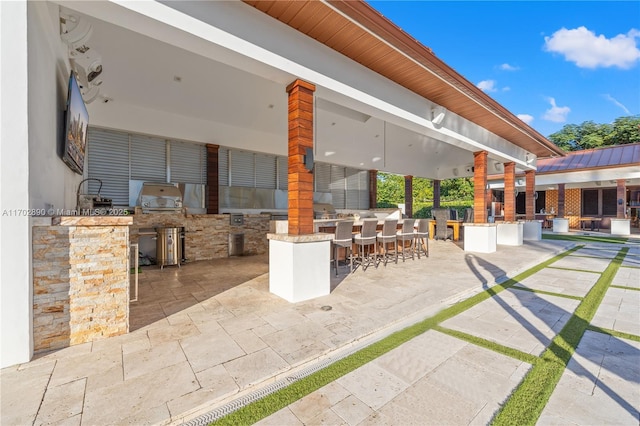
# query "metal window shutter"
(223, 167)
(283, 173)
(108, 160)
(242, 168)
(322, 177)
(353, 188)
(188, 162)
(363, 193)
(338, 196)
(265, 171)
(148, 159)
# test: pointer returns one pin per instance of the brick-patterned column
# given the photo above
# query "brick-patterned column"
(436, 194)
(621, 194)
(373, 189)
(561, 196)
(213, 187)
(480, 187)
(408, 196)
(300, 138)
(530, 201)
(510, 192)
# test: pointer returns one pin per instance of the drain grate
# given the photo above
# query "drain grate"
(256, 395)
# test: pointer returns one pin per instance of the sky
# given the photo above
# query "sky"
(551, 63)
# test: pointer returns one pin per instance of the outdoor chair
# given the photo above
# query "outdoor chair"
(364, 240)
(387, 236)
(404, 235)
(421, 238)
(468, 215)
(343, 238)
(442, 230)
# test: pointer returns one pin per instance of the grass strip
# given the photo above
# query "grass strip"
(614, 333)
(623, 287)
(526, 403)
(255, 411)
(488, 344)
(585, 238)
(550, 293)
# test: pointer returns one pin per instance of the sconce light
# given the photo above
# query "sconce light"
(308, 159)
(620, 201)
(529, 158)
(437, 114)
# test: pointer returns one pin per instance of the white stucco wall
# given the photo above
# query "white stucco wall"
(34, 72)
(15, 288)
(51, 182)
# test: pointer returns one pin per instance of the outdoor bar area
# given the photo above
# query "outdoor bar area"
(282, 142)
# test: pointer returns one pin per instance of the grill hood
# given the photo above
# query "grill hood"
(160, 197)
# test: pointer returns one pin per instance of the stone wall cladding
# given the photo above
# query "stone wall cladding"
(81, 284)
(206, 235)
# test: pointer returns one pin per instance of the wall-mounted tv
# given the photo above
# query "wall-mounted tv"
(75, 129)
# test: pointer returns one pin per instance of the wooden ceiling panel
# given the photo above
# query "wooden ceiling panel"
(403, 60)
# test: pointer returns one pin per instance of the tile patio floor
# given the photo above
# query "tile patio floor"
(210, 332)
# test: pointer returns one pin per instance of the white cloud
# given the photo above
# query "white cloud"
(616, 103)
(555, 113)
(487, 86)
(506, 88)
(507, 67)
(526, 118)
(587, 50)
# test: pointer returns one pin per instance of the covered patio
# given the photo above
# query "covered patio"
(317, 83)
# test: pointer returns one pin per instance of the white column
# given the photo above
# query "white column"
(15, 236)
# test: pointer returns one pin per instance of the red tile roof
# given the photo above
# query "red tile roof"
(598, 158)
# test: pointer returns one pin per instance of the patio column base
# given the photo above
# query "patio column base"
(480, 237)
(532, 230)
(510, 234)
(299, 266)
(561, 224)
(620, 226)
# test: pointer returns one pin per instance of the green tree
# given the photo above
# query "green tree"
(589, 135)
(457, 189)
(422, 190)
(390, 189)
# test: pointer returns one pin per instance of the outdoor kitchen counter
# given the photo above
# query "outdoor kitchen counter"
(206, 236)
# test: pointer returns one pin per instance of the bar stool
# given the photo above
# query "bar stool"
(343, 239)
(421, 238)
(366, 238)
(388, 235)
(406, 234)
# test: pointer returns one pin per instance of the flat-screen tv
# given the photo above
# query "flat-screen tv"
(75, 128)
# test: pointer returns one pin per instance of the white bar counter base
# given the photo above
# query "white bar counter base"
(480, 237)
(561, 224)
(510, 233)
(299, 266)
(620, 226)
(532, 230)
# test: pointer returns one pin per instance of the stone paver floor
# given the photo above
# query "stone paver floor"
(201, 337)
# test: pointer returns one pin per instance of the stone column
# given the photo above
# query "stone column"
(213, 187)
(509, 192)
(436, 194)
(530, 201)
(480, 186)
(621, 194)
(80, 280)
(408, 196)
(373, 189)
(561, 196)
(300, 143)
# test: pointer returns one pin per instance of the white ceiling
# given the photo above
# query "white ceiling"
(244, 107)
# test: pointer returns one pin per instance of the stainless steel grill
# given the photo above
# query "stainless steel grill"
(324, 211)
(160, 198)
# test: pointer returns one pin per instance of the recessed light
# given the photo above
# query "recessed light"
(177, 78)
